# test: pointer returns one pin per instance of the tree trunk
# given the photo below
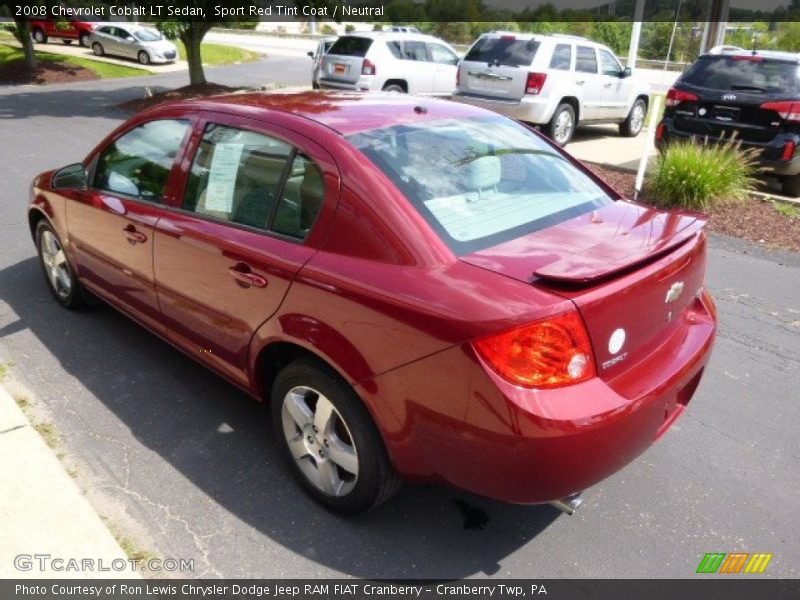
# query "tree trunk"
(24, 32)
(192, 38)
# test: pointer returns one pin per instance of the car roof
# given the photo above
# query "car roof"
(344, 112)
(542, 36)
(734, 51)
(399, 35)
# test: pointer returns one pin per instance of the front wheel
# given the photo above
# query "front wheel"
(144, 58)
(329, 439)
(562, 125)
(394, 88)
(98, 49)
(632, 125)
(83, 39)
(790, 186)
(57, 271)
(39, 36)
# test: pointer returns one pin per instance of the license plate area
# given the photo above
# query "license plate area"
(340, 68)
(728, 114)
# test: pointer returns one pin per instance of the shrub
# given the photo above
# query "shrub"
(349, 28)
(327, 29)
(699, 176)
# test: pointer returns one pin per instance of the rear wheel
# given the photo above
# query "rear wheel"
(56, 268)
(329, 439)
(632, 126)
(790, 186)
(144, 58)
(562, 125)
(394, 87)
(39, 35)
(97, 48)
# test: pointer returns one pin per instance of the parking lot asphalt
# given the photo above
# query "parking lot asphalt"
(185, 462)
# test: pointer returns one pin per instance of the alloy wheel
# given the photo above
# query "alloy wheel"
(55, 263)
(563, 127)
(637, 118)
(319, 441)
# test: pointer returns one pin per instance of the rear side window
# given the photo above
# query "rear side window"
(138, 163)
(562, 57)
(503, 51)
(482, 181)
(252, 179)
(351, 46)
(587, 60)
(744, 74)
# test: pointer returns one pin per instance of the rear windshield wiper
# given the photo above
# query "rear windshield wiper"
(742, 88)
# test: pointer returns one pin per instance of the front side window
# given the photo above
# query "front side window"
(481, 181)
(442, 54)
(138, 163)
(252, 179)
(586, 61)
(609, 64)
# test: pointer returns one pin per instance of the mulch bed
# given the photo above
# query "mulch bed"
(16, 73)
(755, 219)
(185, 93)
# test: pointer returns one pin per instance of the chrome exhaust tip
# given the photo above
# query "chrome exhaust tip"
(569, 504)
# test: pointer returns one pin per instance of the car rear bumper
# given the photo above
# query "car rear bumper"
(531, 109)
(770, 154)
(362, 85)
(528, 446)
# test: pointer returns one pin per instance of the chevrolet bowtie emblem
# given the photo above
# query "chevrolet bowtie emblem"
(674, 292)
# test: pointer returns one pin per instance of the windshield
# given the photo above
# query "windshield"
(147, 35)
(503, 51)
(480, 182)
(744, 74)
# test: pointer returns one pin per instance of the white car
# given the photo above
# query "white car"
(390, 61)
(555, 81)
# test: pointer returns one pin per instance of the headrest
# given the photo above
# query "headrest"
(482, 173)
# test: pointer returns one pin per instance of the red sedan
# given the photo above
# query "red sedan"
(422, 290)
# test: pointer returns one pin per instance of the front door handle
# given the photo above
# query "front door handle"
(245, 277)
(134, 237)
(608, 85)
(581, 82)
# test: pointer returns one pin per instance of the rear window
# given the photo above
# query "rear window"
(351, 46)
(503, 51)
(481, 181)
(742, 74)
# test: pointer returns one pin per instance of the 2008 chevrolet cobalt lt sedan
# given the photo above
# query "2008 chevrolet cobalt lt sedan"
(420, 289)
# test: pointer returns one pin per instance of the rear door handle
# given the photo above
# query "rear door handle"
(245, 277)
(581, 82)
(134, 237)
(608, 85)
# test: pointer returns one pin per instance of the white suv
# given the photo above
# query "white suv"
(390, 61)
(552, 80)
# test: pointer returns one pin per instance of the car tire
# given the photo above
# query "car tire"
(562, 125)
(39, 36)
(358, 475)
(98, 50)
(314, 85)
(394, 87)
(144, 58)
(83, 39)
(58, 273)
(633, 124)
(790, 186)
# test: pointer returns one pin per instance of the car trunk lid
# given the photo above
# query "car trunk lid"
(624, 266)
(344, 61)
(497, 67)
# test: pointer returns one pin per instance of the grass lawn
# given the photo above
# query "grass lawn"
(9, 54)
(216, 54)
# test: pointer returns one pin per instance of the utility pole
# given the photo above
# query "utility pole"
(714, 31)
(633, 49)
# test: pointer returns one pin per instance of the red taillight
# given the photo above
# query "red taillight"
(535, 83)
(675, 97)
(549, 353)
(789, 111)
(788, 151)
(368, 67)
(660, 131)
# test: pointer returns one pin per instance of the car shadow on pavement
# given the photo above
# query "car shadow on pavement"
(220, 460)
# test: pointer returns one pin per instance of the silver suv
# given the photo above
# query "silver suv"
(555, 81)
(390, 61)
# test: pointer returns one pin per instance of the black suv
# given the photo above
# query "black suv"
(755, 95)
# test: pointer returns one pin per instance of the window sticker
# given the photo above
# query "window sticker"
(222, 177)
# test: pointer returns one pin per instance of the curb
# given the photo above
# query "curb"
(44, 514)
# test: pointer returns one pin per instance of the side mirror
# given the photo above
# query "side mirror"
(626, 72)
(71, 177)
(310, 54)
